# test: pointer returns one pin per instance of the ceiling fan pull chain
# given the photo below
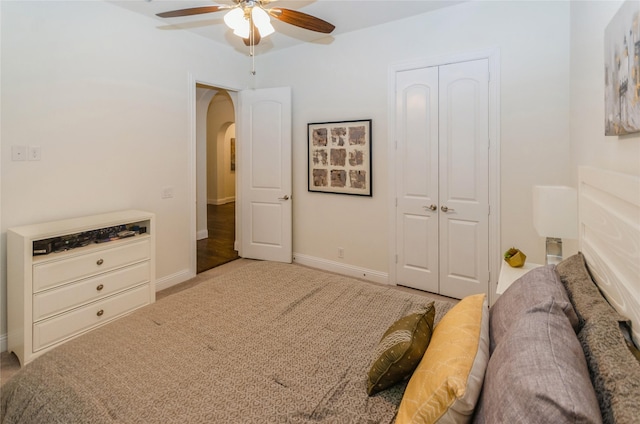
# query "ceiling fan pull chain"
(252, 45)
(253, 60)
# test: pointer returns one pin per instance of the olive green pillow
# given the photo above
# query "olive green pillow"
(400, 350)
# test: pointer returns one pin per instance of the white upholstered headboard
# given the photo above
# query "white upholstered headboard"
(609, 232)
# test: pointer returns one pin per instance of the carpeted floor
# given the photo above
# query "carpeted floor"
(9, 364)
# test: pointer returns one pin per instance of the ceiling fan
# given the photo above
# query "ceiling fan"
(251, 19)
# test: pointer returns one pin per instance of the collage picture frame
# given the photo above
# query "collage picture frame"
(339, 157)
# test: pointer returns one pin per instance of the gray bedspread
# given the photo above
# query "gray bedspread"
(266, 343)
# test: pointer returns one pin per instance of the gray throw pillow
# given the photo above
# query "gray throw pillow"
(615, 372)
(585, 296)
(538, 373)
(537, 286)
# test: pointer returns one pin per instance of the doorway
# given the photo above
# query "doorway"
(216, 180)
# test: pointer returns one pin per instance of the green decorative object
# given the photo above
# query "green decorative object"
(515, 257)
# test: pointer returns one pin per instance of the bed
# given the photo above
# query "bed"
(283, 343)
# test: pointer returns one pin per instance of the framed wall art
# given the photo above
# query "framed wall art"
(340, 157)
(622, 71)
(232, 154)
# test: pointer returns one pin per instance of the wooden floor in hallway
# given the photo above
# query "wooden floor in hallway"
(217, 249)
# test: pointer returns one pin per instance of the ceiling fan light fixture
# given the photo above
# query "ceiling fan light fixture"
(262, 21)
(235, 19)
(243, 30)
(250, 21)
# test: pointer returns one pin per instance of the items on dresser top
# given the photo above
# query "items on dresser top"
(72, 241)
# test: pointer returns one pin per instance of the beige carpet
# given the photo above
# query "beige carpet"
(9, 364)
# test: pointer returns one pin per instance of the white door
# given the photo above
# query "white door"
(264, 145)
(442, 178)
(417, 178)
(464, 178)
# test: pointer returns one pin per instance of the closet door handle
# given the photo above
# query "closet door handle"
(431, 208)
(286, 197)
(446, 209)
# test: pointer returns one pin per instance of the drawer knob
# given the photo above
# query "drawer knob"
(100, 312)
(100, 287)
(100, 261)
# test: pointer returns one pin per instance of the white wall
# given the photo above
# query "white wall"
(105, 93)
(347, 79)
(589, 146)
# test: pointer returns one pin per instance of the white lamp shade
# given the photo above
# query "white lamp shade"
(555, 211)
(262, 21)
(235, 18)
(243, 30)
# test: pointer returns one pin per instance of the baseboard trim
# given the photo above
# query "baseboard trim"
(173, 279)
(222, 201)
(341, 268)
(3, 343)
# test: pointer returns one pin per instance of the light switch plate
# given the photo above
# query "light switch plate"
(18, 153)
(34, 153)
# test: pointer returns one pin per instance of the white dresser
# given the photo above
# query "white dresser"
(56, 296)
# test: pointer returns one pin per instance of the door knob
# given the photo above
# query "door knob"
(286, 197)
(431, 208)
(446, 209)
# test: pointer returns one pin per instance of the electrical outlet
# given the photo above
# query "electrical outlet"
(341, 252)
(167, 192)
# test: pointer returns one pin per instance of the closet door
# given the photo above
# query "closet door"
(464, 178)
(417, 178)
(442, 177)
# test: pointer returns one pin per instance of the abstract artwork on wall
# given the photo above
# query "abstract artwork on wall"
(622, 71)
(340, 157)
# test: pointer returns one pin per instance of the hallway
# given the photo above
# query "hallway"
(217, 249)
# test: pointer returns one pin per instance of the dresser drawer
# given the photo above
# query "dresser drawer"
(57, 272)
(60, 299)
(60, 327)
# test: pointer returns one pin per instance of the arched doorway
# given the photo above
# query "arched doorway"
(216, 182)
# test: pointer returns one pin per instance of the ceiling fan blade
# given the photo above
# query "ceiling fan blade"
(191, 11)
(256, 36)
(301, 20)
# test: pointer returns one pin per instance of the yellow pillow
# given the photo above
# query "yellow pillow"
(446, 385)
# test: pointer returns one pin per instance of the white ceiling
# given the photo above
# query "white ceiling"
(346, 15)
